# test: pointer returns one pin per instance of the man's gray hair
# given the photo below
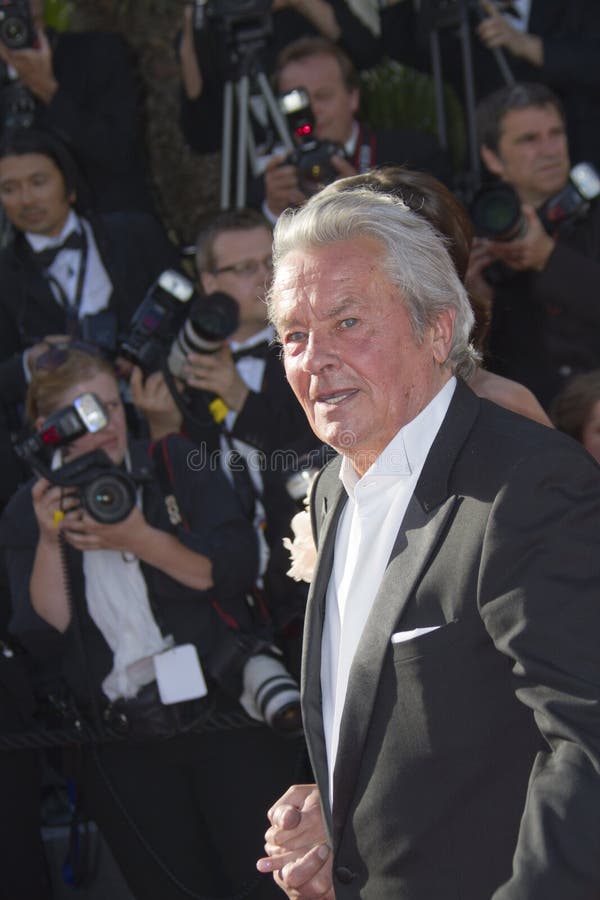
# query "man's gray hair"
(414, 258)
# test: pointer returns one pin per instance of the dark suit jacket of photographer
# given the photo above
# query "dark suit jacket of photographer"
(97, 112)
(545, 325)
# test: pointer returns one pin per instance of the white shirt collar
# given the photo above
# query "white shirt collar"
(350, 145)
(408, 449)
(265, 334)
(39, 242)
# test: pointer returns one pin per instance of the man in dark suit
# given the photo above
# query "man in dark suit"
(62, 268)
(333, 87)
(450, 670)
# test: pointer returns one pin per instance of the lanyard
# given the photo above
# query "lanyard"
(72, 309)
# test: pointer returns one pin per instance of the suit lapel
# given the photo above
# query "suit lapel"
(423, 526)
(410, 555)
(327, 516)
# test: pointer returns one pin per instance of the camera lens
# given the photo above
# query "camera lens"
(13, 33)
(109, 498)
(274, 693)
(496, 213)
(212, 319)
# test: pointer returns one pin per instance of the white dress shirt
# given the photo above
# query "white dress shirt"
(366, 533)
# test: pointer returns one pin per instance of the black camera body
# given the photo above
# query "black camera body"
(173, 320)
(16, 25)
(311, 157)
(106, 492)
(496, 208)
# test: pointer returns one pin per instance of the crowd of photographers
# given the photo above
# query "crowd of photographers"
(152, 454)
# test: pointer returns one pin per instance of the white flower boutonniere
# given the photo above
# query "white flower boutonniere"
(303, 553)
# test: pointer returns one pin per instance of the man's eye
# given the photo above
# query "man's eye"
(350, 322)
(295, 337)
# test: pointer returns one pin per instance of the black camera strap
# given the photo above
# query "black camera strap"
(71, 309)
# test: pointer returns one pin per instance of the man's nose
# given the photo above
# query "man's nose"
(26, 195)
(319, 354)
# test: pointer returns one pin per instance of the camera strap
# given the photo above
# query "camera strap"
(72, 308)
(159, 453)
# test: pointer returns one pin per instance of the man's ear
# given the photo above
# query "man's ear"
(492, 161)
(442, 333)
(355, 100)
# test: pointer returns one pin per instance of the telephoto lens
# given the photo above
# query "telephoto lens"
(271, 694)
(211, 321)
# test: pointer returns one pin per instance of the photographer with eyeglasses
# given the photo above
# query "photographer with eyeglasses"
(259, 434)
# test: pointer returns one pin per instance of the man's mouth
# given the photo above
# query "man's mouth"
(332, 398)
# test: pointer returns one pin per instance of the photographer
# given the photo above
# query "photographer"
(139, 590)
(82, 87)
(263, 423)
(331, 81)
(201, 54)
(543, 278)
(65, 270)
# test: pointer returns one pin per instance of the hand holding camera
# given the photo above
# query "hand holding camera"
(216, 374)
(529, 252)
(29, 53)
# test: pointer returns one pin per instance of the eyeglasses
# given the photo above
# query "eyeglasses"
(247, 268)
(57, 354)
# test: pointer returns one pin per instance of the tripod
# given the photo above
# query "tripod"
(245, 68)
(437, 15)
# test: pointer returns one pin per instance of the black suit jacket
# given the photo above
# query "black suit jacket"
(480, 739)
(134, 250)
(97, 112)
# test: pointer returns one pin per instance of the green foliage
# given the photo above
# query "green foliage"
(58, 13)
(396, 96)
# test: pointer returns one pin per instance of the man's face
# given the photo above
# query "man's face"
(333, 105)
(33, 194)
(243, 270)
(533, 155)
(349, 351)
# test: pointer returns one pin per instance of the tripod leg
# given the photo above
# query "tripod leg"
(276, 114)
(243, 96)
(469, 88)
(226, 143)
(438, 86)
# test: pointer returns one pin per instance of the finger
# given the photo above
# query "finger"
(295, 796)
(275, 161)
(136, 380)
(343, 166)
(312, 871)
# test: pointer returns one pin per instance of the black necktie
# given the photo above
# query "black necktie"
(256, 351)
(73, 241)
